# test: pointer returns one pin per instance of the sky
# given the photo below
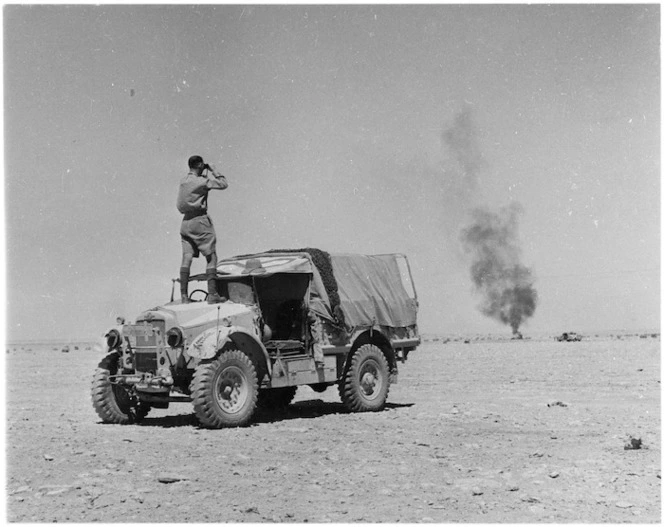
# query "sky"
(335, 126)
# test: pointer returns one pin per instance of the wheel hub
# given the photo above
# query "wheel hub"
(232, 391)
(370, 380)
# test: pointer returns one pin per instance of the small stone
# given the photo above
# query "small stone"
(477, 491)
(169, 478)
(634, 443)
(48, 457)
(554, 475)
(512, 488)
(624, 505)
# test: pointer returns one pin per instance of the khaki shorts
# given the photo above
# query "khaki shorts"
(198, 236)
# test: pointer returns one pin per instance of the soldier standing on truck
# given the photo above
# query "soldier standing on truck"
(197, 231)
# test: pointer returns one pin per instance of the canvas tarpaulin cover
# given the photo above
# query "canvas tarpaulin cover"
(371, 291)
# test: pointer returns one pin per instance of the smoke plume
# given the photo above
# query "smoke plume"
(490, 238)
(506, 286)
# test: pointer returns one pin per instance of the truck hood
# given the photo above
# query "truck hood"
(196, 313)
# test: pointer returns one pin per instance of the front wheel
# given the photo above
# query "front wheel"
(224, 390)
(365, 385)
(112, 402)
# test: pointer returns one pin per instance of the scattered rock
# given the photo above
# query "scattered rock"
(251, 509)
(634, 443)
(531, 499)
(512, 488)
(557, 403)
(170, 478)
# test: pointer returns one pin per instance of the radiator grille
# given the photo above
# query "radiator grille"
(145, 347)
(145, 362)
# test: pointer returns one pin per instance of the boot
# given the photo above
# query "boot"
(184, 285)
(213, 296)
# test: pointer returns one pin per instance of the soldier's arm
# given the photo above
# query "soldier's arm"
(216, 180)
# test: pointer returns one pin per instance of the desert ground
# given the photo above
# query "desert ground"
(476, 430)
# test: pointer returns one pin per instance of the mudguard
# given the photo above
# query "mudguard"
(208, 343)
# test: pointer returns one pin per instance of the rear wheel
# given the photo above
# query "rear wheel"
(112, 402)
(365, 385)
(224, 390)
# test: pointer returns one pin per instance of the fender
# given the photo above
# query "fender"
(207, 344)
(374, 335)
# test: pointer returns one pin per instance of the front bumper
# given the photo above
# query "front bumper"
(145, 382)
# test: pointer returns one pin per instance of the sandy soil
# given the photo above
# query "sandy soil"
(512, 431)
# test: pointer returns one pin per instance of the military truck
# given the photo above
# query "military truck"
(290, 318)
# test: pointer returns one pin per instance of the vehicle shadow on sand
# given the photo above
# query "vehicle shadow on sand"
(311, 409)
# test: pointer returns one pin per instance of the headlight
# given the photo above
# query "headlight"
(175, 338)
(113, 339)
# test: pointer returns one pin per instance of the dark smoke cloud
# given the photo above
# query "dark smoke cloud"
(508, 294)
(491, 237)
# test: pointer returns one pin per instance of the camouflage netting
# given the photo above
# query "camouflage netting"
(323, 263)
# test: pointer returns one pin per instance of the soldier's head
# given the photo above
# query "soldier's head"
(196, 163)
